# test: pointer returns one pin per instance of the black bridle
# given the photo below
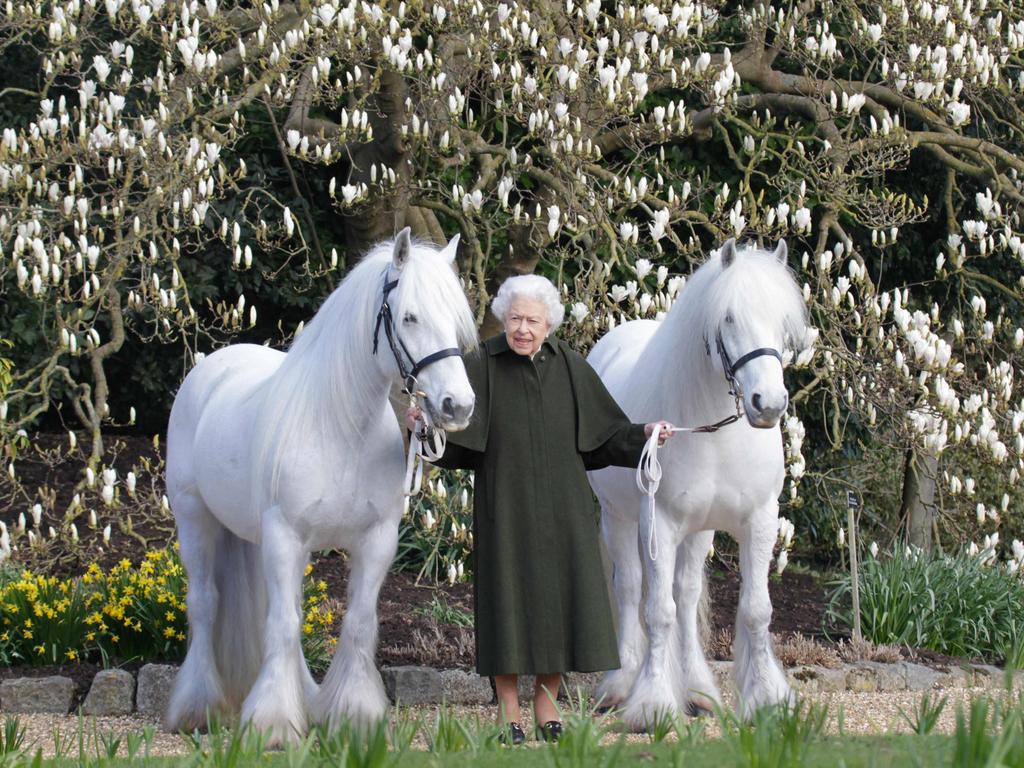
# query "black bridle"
(403, 358)
(730, 370)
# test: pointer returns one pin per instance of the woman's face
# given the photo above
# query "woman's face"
(526, 325)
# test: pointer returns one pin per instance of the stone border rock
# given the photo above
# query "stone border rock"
(117, 692)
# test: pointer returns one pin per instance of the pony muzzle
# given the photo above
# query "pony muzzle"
(451, 413)
(763, 412)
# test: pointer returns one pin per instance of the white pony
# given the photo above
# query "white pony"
(271, 456)
(724, 334)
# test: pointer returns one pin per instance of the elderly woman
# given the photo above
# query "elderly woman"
(542, 419)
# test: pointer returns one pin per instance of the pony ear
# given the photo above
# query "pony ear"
(452, 248)
(728, 252)
(403, 245)
(781, 252)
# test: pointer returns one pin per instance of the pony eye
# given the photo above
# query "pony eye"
(729, 319)
(410, 318)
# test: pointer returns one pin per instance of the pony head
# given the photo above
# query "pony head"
(754, 312)
(430, 323)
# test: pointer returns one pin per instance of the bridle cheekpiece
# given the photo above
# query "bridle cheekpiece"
(407, 367)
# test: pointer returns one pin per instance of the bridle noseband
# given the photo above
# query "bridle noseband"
(403, 358)
(730, 368)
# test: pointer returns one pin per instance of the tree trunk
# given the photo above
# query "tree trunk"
(918, 508)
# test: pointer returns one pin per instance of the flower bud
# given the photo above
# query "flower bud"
(781, 561)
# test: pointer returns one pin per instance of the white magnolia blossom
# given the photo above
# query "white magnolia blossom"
(577, 127)
(579, 312)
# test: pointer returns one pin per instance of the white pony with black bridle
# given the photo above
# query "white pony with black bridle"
(715, 357)
(271, 456)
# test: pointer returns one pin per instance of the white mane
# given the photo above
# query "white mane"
(757, 290)
(729, 481)
(330, 375)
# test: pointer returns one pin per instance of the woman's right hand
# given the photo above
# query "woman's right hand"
(412, 413)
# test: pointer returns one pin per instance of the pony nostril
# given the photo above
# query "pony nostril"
(756, 400)
(448, 407)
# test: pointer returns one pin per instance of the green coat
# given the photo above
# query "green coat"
(541, 601)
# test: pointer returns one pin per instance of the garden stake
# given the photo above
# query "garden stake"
(851, 509)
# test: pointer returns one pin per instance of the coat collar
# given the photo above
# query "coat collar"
(498, 344)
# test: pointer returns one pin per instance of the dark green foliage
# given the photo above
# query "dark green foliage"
(774, 736)
(926, 716)
(953, 604)
(435, 536)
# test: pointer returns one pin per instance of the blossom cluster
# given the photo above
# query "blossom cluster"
(620, 141)
(126, 612)
(436, 536)
(987, 553)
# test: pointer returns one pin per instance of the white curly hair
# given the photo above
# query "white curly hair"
(530, 287)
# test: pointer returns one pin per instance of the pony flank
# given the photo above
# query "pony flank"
(742, 306)
(271, 456)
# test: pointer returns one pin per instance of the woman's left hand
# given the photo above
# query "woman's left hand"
(665, 433)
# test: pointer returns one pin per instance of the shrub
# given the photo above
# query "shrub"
(435, 538)
(125, 613)
(318, 618)
(44, 620)
(138, 613)
(443, 613)
(960, 605)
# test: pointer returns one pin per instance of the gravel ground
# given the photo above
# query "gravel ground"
(861, 713)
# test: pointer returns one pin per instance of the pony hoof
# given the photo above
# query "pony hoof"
(640, 726)
(695, 709)
(605, 704)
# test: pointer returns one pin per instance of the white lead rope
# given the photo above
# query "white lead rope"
(648, 478)
(648, 471)
(421, 451)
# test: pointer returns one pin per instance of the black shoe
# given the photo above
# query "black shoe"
(551, 731)
(515, 735)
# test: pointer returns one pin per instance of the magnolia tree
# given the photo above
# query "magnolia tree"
(609, 145)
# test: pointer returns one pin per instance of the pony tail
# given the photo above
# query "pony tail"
(704, 612)
(241, 616)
